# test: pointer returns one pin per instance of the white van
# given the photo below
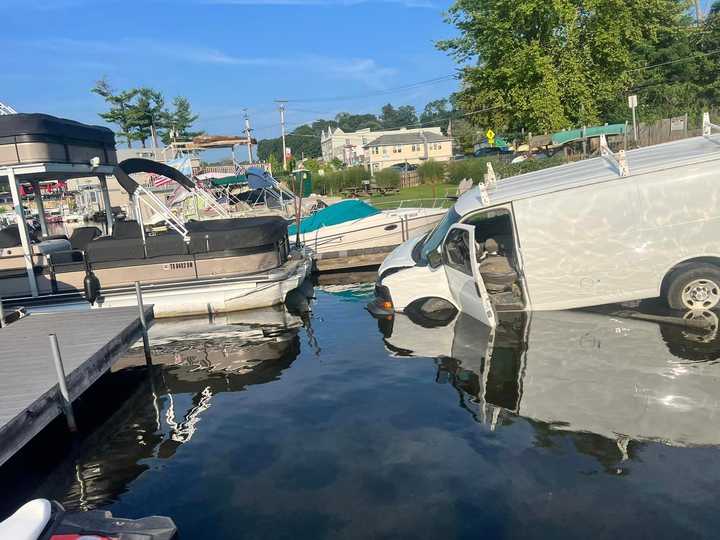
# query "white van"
(641, 224)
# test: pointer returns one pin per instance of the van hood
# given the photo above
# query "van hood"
(401, 256)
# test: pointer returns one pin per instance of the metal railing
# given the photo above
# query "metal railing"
(430, 203)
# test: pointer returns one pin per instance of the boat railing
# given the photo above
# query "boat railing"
(430, 203)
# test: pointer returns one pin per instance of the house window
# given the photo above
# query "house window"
(415, 147)
(364, 140)
(384, 149)
(397, 149)
(375, 150)
(436, 146)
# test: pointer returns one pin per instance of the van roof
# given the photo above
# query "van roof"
(592, 171)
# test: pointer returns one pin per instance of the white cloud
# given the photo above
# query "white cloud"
(362, 70)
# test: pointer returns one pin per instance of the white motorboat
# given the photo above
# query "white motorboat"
(356, 225)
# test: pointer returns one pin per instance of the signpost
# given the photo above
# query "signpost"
(632, 103)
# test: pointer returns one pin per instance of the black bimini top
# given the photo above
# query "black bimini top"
(38, 127)
(124, 169)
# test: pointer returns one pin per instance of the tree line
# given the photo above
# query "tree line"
(545, 66)
(304, 140)
(139, 111)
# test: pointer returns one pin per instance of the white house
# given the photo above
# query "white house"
(349, 147)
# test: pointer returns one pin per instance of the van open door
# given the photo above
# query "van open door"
(460, 260)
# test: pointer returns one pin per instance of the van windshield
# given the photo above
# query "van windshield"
(432, 241)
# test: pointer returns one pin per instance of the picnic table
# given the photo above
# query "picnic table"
(354, 191)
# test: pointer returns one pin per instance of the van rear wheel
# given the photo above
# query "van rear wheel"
(695, 286)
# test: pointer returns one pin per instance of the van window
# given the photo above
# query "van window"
(433, 240)
(456, 251)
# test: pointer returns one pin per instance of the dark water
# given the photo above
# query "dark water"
(263, 425)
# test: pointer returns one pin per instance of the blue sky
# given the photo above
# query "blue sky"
(225, 55)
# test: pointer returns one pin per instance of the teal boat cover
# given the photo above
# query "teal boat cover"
(341, 212)
(562, 137)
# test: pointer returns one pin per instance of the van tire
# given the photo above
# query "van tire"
(694, 286)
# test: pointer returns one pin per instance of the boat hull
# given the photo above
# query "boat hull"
(213, 296)
(386, 229)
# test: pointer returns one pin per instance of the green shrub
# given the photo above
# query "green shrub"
(333, 182)
(431, 172)
(477, 167)
(387, 178)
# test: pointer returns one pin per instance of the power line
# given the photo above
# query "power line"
(676, 61)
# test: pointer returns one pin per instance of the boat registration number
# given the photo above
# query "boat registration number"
(178, 266)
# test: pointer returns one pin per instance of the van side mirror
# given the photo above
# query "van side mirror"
(435, 259)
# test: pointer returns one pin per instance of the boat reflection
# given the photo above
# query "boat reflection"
(577, 372)
(195, 360)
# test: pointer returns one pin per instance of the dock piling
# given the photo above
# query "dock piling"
(2, 315)
(143, 324)
(62, 384)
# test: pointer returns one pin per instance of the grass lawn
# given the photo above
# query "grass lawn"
(423, 191)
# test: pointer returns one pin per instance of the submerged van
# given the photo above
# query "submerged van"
(615, 228)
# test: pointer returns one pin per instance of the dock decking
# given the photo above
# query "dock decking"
(90, 342)
(351, 258)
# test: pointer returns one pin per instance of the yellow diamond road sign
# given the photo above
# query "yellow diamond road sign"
(490, 134)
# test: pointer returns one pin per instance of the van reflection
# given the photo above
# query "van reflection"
(575, 371)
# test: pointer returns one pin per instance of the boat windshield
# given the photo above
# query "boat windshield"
(433, 240)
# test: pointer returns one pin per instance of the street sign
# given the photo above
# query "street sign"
(633, 103)
(490, 134)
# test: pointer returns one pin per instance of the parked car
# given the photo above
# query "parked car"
(403, 167)
(581, 234)
(492, 151)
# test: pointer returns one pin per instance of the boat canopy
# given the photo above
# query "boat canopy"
(562, 137)
(135, 165)
(229, 181)
(332, 215)
(260, 179)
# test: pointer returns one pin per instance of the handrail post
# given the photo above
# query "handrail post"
(62, 384)
(143, 324)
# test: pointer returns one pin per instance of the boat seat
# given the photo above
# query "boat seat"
(122, 230)
(166, 245)
(106, 249)
(28, 522)
(82, 236)
(10, 236)
(495, 268)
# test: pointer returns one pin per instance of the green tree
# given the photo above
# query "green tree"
(551, 65)
(403, 116)
(146, 113)
(275, 164)
(177, 123)
(353, 122)
(120, 108)
(437, 113)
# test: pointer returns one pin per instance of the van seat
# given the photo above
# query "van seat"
(496, 271)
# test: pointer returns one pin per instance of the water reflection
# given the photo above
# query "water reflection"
(577, 372)
(196, 360)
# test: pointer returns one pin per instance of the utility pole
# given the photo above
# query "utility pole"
(698, 12)
(281, 104)
(247, 135)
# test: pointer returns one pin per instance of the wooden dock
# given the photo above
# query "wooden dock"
(90, 342)
(351, 259)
